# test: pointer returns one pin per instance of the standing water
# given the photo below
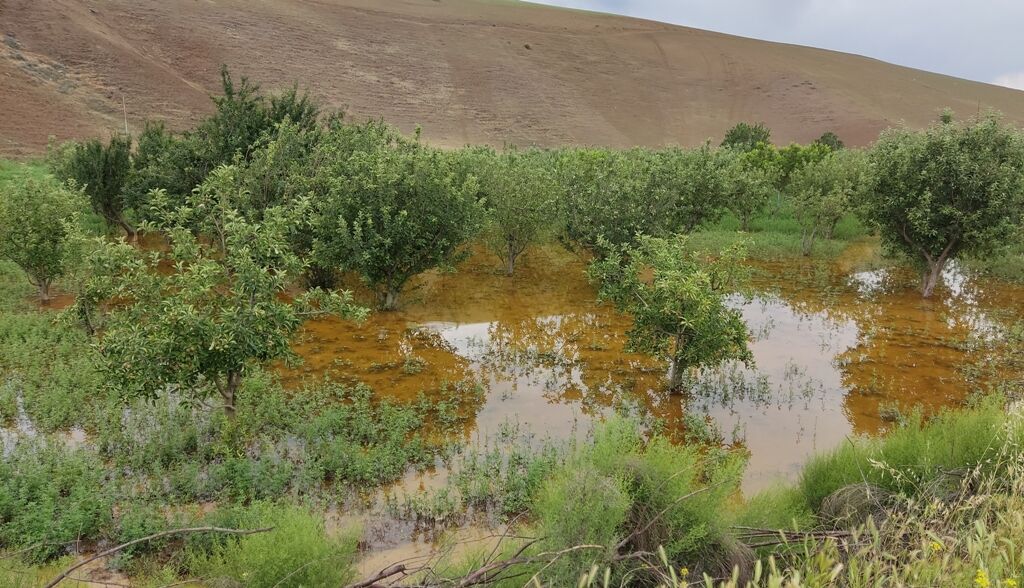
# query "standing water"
(838, 351)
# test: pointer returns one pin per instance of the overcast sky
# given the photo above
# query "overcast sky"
(975, 39)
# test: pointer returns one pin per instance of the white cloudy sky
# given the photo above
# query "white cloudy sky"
(975, 39)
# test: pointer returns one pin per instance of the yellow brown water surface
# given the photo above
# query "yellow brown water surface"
(837, 347)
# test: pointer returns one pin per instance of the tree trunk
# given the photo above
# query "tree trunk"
(831, 229)
(745, 223)
(129, 231)
(44, 290)
(387, 299)
(807, 241)
(931, 277)
(675, 371)
(228, 394)
(318, 276)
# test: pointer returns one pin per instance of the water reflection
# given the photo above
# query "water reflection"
(833, 343)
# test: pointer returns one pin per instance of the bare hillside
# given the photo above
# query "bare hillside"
(468, 71)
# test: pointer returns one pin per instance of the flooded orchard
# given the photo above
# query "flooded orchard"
(840, 348)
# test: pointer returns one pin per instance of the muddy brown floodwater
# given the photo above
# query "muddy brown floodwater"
(836, 346)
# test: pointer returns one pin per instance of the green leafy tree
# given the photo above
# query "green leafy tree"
(678, 302)
(794, 156)
(102, 170)
(754, 180)
(389, 208)
(609, 196)
(520, 198)
(38, 229)
(825, 190)
(215, 310)
(746, 136)
(954, 188)
(150, 167)
(692, 186)
(830, 140)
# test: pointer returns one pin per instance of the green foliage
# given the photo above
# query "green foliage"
(610, 493)
(914, 454)
(219, 314)
(830, 140)
(607, 196)
(614, 197)
(824, 191)
(952, 189)
(679, 310)
(102, 171)
(49, 498)
(754, 178)
(388, 208)
(794, 156)
(695, 186)
(298, 552)
(38, 230)
(746, 136)
(51, 367)
(520, 199)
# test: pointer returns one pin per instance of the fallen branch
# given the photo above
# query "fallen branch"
(64, 575)
(381, 575)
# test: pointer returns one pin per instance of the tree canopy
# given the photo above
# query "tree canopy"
(218, 310)
(678, 302)
(39, 228)
(389, 208)
(519, 200)
(953, 188)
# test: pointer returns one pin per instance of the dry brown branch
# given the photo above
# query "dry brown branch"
(388, 572)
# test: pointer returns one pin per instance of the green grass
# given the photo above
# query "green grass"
(911, 457)
(297, 552)
(775, 235)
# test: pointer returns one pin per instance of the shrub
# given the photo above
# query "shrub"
(911, 456)
(297, 552)
(625, 495)
(38, 226)
(50, 497)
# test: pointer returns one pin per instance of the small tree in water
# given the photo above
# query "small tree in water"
(824, 191)
(388, 208)
(520, 203)
(951, 189)
(38, 223)
(677, 301)
(214, 311)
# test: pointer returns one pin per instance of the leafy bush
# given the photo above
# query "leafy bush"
(625, 495)
(296, 552)
(911, 456)
(50, 497)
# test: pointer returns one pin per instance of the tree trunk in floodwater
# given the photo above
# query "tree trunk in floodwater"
(675, 371)
(930, 278)
(387, 299)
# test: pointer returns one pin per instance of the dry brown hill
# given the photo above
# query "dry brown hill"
(489, 71)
